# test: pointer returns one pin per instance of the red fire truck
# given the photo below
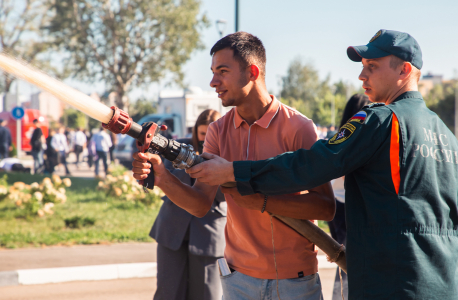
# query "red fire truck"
(26, 126)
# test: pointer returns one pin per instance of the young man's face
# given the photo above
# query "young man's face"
(379, 79)
(230, 80)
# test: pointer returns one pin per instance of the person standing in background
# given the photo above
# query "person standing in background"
(51, 154)
(188, 247)
(102, 143)
(338, 226)
(114, 142)
(5, 140)
(37, 142)
(60, 145)
(79, 142)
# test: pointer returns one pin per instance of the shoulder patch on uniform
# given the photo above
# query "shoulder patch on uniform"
(344, 133)
(359, 117)
(374, 105)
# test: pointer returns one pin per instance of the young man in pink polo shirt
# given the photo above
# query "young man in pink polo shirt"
(259, 127)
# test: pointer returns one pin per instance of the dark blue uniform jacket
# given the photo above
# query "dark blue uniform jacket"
(401, 168)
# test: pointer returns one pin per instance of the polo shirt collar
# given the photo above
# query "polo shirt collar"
(265, 120)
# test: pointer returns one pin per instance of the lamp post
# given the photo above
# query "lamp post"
(221, 26)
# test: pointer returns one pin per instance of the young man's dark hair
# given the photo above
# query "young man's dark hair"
(248, 49)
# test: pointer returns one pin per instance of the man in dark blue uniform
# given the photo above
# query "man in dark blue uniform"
(400, 163)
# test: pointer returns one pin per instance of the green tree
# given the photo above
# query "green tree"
(141, 108)
(441, 100)
(303, 90)
(74, 118)
(20, 34)
(126, 43)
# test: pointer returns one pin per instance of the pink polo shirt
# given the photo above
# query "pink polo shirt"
(248, 232)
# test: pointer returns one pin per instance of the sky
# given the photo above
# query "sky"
(319, 32)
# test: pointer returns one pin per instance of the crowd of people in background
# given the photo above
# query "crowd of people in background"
(53, 151)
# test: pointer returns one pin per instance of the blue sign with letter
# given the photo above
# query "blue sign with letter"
(17, 113)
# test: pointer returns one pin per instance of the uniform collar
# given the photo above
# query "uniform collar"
(265, 120)
(410, 94)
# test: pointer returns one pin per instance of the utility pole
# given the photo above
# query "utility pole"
(456, 103)
(236, 15)
(18, 125)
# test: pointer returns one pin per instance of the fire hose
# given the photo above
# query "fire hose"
(149, 139)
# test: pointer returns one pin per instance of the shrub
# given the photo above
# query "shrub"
(127, 188)
(39, 199)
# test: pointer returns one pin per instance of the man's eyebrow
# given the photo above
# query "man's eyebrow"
(221, 66)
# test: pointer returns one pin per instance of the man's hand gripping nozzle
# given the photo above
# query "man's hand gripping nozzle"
(149, 139)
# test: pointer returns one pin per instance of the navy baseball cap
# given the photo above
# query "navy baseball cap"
(389, 42)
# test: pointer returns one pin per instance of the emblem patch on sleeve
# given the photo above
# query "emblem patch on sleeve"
(344, 133)
(359, 117)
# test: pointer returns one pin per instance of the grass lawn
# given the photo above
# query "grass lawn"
(115, 220)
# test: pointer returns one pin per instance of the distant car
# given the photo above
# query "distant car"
(126, 145)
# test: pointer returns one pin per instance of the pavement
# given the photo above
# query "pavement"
(94, 272)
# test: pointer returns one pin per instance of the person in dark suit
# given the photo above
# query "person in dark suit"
(5, 140)
(188, 247)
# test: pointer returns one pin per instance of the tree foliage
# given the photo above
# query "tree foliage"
(74, 118)
(441, 100)
(141, 108)
(126, 43)
(21, 35)
(303, 90)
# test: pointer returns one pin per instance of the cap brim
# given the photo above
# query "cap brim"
(357, 53)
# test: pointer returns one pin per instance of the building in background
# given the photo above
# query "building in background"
(188, 104)
(427, 82)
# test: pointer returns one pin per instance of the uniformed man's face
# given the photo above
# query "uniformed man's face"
(230, 80)
(380, 80)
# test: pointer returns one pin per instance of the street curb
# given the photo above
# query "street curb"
(96, 272)
(84, 273)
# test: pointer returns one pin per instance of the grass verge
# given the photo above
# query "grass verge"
(114, 220)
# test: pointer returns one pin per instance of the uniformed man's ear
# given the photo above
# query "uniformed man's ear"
(254, 72)
(405, 70)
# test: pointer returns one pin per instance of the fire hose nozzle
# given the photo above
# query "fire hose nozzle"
(120, 122)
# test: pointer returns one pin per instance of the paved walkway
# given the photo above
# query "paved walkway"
(84, 255)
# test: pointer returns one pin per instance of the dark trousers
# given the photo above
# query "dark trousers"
(78, 150)
(338, 229)
(38, 161)
(63, 160)
(184, 276)
(4, 152)
(101, 155)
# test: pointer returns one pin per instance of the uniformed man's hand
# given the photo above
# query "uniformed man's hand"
(142, 164)
(254, 202)
(215, 171)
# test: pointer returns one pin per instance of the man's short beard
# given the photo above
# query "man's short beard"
(229, 102)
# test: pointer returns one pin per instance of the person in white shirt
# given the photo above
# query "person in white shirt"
(79, 142)
(59, 143)
(102, 145)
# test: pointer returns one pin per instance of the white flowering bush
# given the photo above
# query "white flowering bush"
(38, 199)
(126, 187)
